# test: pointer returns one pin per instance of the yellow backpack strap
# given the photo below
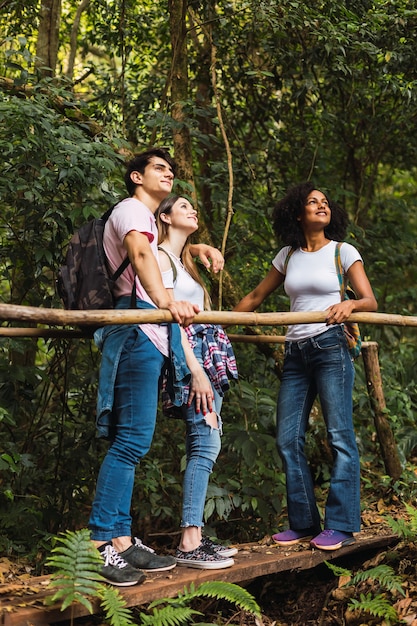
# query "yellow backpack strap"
(287, 258)
(339, 269)
(352, 332)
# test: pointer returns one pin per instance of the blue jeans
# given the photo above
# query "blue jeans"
(322, 366)
(202, 449)
(135, 404)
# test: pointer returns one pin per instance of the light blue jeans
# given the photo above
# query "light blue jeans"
(322, 366)
(135, 404)
(202, 449)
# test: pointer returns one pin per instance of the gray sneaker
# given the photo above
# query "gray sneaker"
(143, 557)
(202, 558)
(116, 570)
(224, 551)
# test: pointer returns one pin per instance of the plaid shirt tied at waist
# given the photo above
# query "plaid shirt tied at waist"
(219, 361)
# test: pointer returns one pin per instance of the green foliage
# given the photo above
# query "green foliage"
(226, 591)
(78, 563)
(51, 441)
(247, 480)
(407, 530)
(175, 610)
(376, 605)
(114, 607)
(55, 177)
(78, 577)
(169, 616)
(384, 575)
(337, 570)
(412, 512)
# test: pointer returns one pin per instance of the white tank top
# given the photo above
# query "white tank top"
(184, 286)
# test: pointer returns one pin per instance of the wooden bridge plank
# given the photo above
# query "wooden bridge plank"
(252, 561)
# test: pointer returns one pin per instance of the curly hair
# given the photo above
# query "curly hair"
(287, 227)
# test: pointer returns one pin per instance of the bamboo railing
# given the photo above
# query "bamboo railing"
(59, 317)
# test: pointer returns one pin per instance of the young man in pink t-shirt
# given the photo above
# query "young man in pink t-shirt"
(133, 358)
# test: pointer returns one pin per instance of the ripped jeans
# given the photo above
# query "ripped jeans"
(202, 449)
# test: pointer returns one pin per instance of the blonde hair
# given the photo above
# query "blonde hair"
(186, 258)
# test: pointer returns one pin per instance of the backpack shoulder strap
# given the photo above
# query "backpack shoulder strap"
(121, 268)
(339, 269)
(287, 258)
(173, 266)
(126, 261)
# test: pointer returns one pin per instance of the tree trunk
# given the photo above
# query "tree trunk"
(179, 91)
(204, 97)
(73, 39)
(48, 37)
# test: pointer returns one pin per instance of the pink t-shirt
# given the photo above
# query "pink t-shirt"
(131, 214)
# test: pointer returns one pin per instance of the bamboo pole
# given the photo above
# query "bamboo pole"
(48, 333)
(265, 339)
(13, 331)
(60, 317)
(384, 433)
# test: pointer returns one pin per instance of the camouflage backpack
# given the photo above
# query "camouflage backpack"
(84, 281)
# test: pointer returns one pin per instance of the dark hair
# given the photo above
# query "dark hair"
(140, 161)
(287, 227)
(186, 258)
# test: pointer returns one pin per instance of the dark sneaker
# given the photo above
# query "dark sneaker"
(116, 570)
(224, 551)
(143, 557)
(290, 537)
(202, 558)
(332, 540)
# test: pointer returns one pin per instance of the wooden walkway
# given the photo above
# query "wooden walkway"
(22, 604)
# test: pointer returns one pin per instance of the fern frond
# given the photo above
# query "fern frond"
(337, 570)
(180, 600)
(384, 575)
(212, 589)
(227, 591)
(114, 607)
(168, 616)
(407, 440)
(231, 592)
(377, 606)
(401, 528)
(69, 595)
(412, 511)
(78, 563)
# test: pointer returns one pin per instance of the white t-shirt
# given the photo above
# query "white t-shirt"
(311, 282)
(185, 287)
(131, 214)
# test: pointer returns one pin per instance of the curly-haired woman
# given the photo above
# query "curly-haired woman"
(317, 361)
